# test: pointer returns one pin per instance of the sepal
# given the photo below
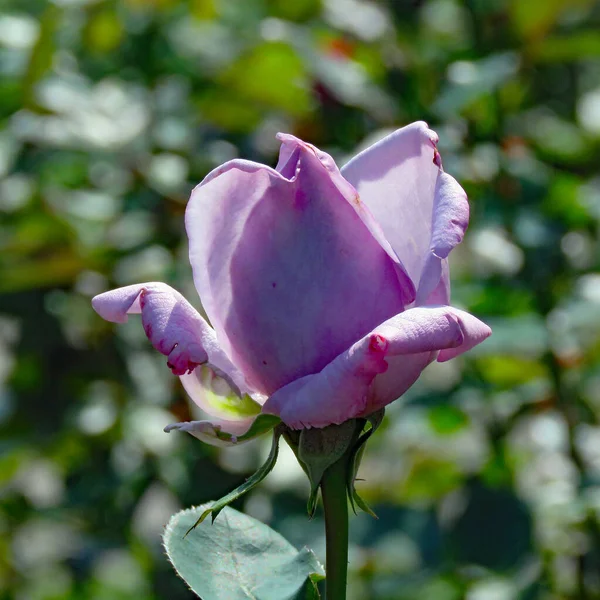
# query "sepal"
(318, 449)
(252, 481)
(373, 422)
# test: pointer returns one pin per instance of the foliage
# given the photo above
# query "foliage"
(486, 476)
(228, 559)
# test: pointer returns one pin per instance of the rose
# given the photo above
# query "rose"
(327, 290)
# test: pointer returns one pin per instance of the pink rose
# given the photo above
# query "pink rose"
(327, 290)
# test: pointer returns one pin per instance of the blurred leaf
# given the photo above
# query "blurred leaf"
(299, 10)
(534, 18)
(228, 111)
(446, 419)
(42, 54)
(572, 47)
(472, 80)
(61, 268)
(429, 478)
(203, 9)
(508, 371)
(271, 74)
(238, 557)
(564, 201)
(104, 30)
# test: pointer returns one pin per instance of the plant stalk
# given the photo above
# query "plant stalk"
(335, 505)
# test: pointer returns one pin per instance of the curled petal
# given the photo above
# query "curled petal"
(422, 212)
(474, 332)
(172, 325)
(450, 221)
(359, 382)
(338, 393)
(416, 337)
(288, 272)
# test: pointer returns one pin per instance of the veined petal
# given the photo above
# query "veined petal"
(289, 274)
(173, 327)
(422, 212)
(359, 382)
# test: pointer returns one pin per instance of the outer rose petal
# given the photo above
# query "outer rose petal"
(290, 148)
(172, 325)
(349, 386)
(427, 325)
(422, 213)
(450, 221)
(336, 394)
(288, 272)
(474, 332)
(207, 431)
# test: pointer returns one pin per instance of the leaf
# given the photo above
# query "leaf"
(239, 558)
(255, 479)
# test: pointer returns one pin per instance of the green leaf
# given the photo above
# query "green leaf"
(239, 558)
(216, 507)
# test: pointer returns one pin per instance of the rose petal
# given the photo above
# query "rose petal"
(358, 381)
(216, 432)
(173, 326)
(450, 221)
(397, 178)
(336, 394)
(290, 148)
(474, 332)
(288, 273)
(418, 334)
(214, 395)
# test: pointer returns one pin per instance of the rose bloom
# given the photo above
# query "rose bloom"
(328, 290)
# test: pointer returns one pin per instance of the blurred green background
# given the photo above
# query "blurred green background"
(486, 475)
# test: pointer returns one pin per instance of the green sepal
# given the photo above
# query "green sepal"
(356, 454)
(252, 481)
(318, 449)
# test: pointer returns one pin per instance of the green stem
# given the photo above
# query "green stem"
(335, 504)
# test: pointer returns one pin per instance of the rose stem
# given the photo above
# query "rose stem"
(335, 504)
